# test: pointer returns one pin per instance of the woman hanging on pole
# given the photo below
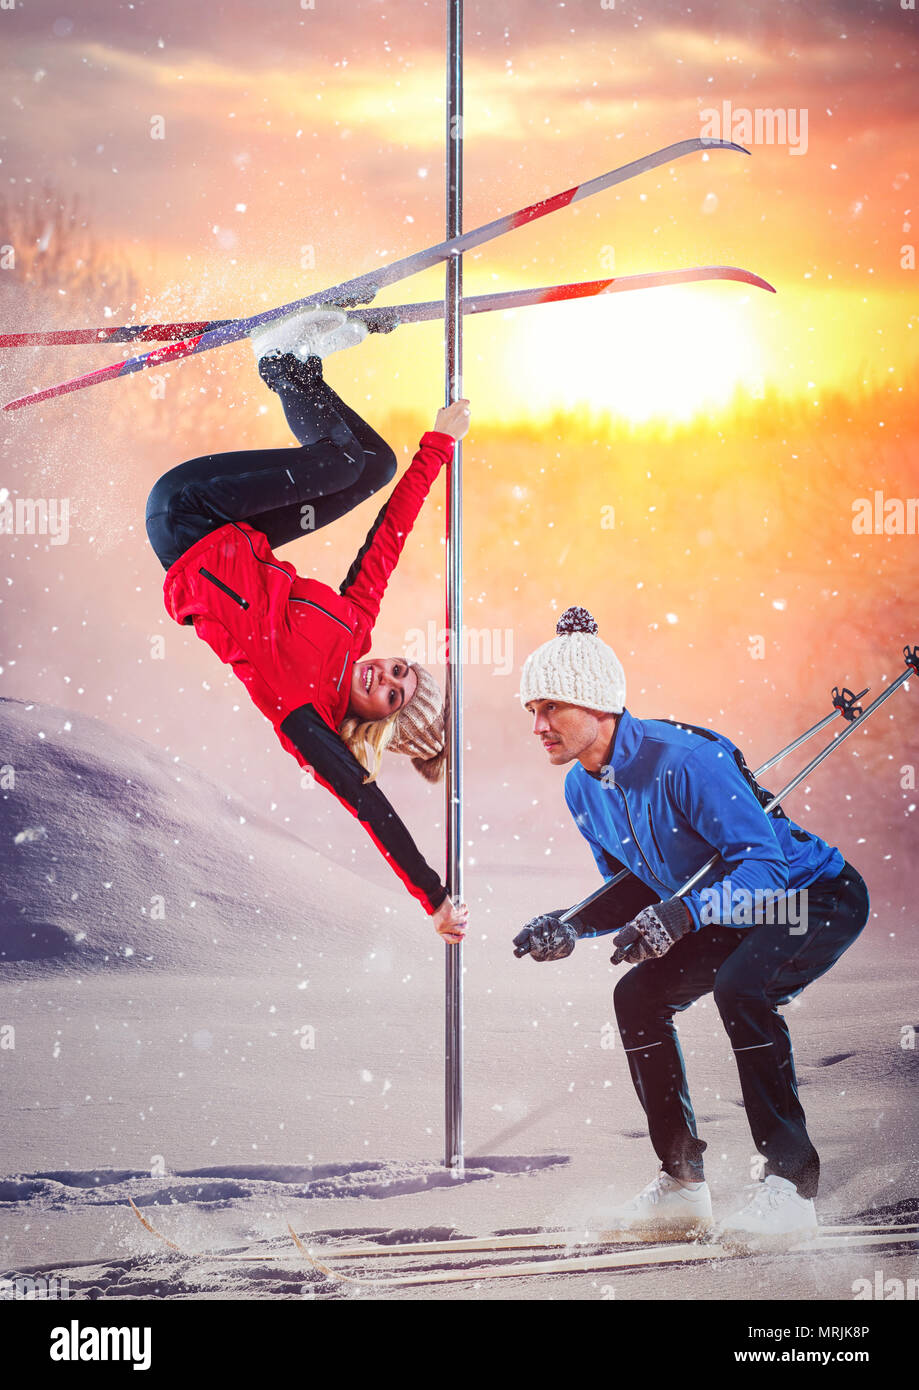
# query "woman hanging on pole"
(214, 522)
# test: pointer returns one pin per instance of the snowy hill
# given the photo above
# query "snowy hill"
(111, 853)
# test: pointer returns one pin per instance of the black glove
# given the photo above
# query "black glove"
(548, 938)
(652, 932)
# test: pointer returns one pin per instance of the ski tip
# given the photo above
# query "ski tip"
(710, 142)
(745, 277)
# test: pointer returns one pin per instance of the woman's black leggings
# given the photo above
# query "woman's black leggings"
(283, 492)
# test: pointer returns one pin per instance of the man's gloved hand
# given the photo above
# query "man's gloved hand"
(652, 932)
(547, 938)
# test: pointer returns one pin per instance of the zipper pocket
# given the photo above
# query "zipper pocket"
(635, 837)
(311, 604)
(344, 665)
(243, 603)
(653, 836)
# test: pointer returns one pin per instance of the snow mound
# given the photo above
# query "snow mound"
(115, 856)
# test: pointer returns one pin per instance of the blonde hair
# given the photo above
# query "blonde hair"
(368, 737)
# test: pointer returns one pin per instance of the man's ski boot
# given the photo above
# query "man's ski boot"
(664, 1208)
(774, 1218)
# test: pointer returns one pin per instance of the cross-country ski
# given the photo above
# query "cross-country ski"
(688, 1253)
(385, 319)
(550, 1240)
(597, 1247)
(365, 287)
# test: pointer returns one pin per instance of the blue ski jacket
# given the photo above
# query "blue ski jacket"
(673, 794)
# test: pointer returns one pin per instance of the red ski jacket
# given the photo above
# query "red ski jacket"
(293, 642)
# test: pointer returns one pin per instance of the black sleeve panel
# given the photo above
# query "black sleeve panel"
(337, 769)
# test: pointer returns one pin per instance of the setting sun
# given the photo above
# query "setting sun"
(668, 352)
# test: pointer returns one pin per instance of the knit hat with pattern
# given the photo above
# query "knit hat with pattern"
(575, 668)
(419, 727)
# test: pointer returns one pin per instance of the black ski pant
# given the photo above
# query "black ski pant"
(284, 493)
(751, 972)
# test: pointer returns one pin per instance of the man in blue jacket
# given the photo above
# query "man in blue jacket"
(659, 798)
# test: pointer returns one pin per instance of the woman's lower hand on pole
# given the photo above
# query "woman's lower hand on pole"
(450, 921)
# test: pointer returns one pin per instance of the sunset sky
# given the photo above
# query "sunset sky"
(288, 128)
(733, 586)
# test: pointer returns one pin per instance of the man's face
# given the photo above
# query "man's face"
(566, 731)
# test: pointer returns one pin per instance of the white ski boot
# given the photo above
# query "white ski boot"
(773, 1218)
(313, 332)
(664, 1208)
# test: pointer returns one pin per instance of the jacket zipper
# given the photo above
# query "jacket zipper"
(340, 621)
(243, 603)
(653, 836)
(635, 838)
(280, 568)
(283, 571)
(340, 678)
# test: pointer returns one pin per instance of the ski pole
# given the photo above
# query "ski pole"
(844, 703)
(912, 669)
(911, 656)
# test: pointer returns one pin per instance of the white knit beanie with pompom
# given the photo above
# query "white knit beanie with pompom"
(575, 668)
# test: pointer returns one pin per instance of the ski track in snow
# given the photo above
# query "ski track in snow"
(153, 1270)
(227, 1184)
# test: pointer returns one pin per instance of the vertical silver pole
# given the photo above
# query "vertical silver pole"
(453, 363)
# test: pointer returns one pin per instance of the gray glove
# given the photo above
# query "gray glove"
(547, 938)
(652, 932)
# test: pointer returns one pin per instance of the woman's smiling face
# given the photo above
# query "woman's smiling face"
(381, 687)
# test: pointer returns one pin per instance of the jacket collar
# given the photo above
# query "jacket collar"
(625, 744)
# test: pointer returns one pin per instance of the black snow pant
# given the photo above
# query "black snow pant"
(284, 493)
(751, 971)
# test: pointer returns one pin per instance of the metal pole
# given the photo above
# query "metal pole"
(453, 389)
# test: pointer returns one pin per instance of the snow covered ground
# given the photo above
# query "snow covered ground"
(203, 1011)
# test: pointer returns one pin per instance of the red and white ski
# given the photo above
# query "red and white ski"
(385, 319)
(363, 288)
